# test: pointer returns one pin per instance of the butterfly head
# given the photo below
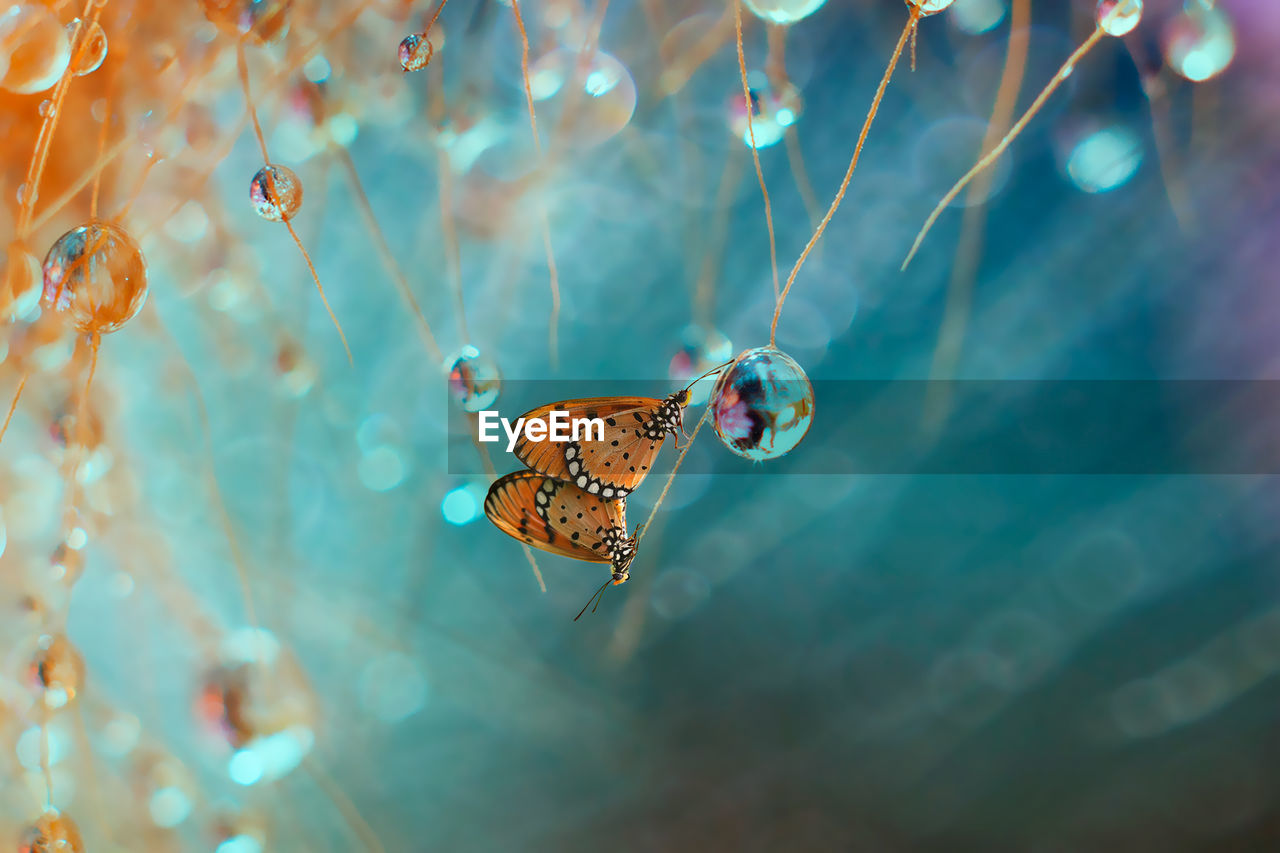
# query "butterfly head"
(670, 414)
(621, 556)
(622, 551)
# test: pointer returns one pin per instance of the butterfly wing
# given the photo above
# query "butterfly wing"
(609, 465)
(553, 515)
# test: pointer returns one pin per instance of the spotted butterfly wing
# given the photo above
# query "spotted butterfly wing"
(611, 465)
(556, 516)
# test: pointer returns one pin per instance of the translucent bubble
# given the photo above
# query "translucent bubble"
(276, 193)
(1105, 160)
(259, 21)
(1119, 17)
(96, 275)
(57, 670)
(474, 380)
(771, 112)
(1200, 42)
(257, 699)
(930, 7)
(53, 832)
(588, 104)
(977, 16)
(783, 11)
(762, 405)
(701, 349)
(415, 52)
(92, 50)
(35, 44)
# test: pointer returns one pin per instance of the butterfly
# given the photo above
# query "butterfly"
(558, 517)
(611, 466)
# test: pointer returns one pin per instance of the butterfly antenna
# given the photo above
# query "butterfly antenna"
(596, 596)
(718, 368)
(714, 370)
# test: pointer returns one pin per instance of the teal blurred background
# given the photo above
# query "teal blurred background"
(800, 662)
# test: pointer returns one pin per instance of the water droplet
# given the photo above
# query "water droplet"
(92, 50)
(783, 11)
(276, 193)
(930, 7)
(474, 380)
(762, 404)
(57, 670)
(95, 274)
(53, 832)
(1118, 17)
(415, 52)
(258, 21)
(35, 44)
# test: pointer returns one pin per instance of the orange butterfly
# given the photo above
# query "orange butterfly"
(561, 518)
(612, 467)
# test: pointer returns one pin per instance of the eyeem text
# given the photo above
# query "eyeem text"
(557, 427)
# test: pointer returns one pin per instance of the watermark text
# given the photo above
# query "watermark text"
(558, 426)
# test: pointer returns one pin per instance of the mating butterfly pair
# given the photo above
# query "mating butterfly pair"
(572, 501)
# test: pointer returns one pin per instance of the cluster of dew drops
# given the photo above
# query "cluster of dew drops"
(94, 275)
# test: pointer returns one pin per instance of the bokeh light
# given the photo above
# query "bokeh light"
(251, 599)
